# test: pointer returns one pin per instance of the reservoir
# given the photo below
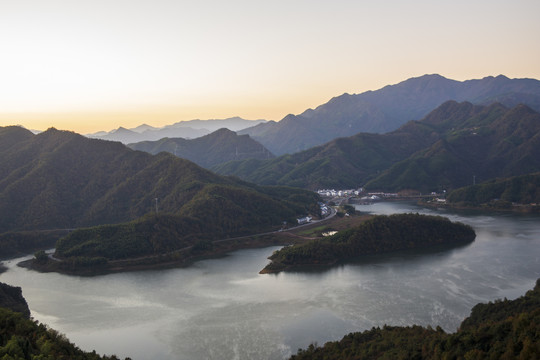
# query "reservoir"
(223, 309)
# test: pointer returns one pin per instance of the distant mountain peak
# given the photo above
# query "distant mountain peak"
(388, 108)
(218, 147)
(443, 150)
(223, 131)
(121, 130)
(431, 76)
(143, 127)
(189, 129)
(522, 109)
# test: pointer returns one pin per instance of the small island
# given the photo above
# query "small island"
(380, 234)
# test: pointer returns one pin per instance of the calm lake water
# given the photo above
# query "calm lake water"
(223, 309)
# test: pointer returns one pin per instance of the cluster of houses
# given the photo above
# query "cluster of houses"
(304, 220)
(373, 196)
(340, 193)
(378, 196)
(325, 210)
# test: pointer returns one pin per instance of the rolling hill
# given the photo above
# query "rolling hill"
(62, 180)
(387, 109)
(221, 146)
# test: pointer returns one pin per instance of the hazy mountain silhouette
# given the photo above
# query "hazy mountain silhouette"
(184, 129)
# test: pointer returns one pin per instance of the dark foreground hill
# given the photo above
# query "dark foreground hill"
(11, 297)
(24, 339)
(387, 109)
(500, 330)
(447, 149)
(61, 180)
(210, 150)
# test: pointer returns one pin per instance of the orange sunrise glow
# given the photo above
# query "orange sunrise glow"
(90, 66)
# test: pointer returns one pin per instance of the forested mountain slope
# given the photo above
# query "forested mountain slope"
(341, 163)
(62, 180)
(495, 142)
(444, 150)
(210, 150)
(499, 193)
(380, 234)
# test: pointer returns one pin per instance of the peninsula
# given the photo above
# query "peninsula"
(380, 234)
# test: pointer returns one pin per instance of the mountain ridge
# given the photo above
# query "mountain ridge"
(218, 147)
(495, 143)
(62, 180)
(386, 109)
(444, 150)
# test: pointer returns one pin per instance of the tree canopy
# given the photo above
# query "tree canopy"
(378, 235)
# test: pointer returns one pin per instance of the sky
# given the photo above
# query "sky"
(96, 65)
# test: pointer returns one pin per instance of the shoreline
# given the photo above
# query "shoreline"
(516, 209)
(179, 259)
(183, 257)
(374, 240)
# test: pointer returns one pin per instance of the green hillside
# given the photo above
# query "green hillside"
(500, 330)
(487, 143)
(523, 190)
(210, 150)
(216, 212)
(342, 163)
(380, 234)
(61, 180)
(387, 109)
(447, 149)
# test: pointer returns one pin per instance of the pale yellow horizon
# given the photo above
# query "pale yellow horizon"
(96, 66)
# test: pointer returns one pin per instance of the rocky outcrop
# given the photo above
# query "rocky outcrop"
(11, 297)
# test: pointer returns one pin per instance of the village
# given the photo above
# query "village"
(359, 194)
(361, 197)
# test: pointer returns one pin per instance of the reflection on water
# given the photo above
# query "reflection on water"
(223, 309)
